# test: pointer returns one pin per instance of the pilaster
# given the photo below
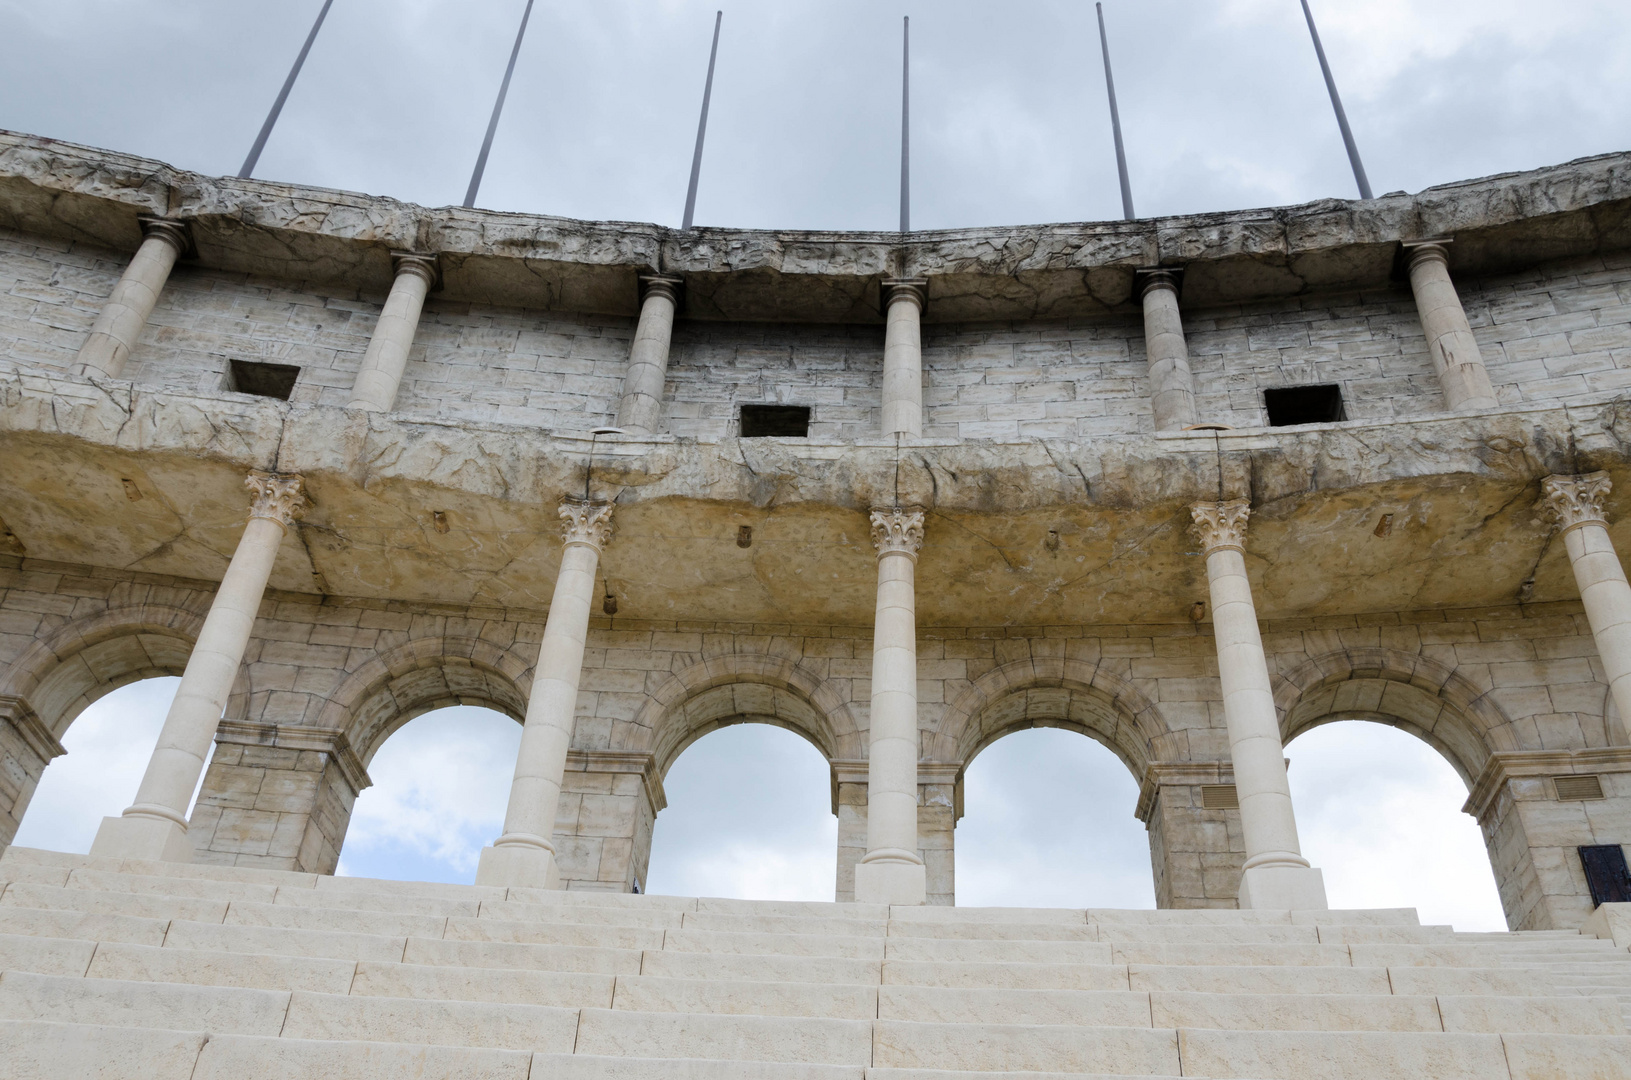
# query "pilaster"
(26, 748)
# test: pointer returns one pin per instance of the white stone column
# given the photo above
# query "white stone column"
(120, 322)
(525, 855)
(1276, 875)
(1577, 504)
(903, 357)
(387, 357)
(641, 410)
(1460, 367)
(155, 825)
(1172, 387)
(892, 871)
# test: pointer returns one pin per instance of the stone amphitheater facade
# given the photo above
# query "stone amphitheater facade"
(1046, 480)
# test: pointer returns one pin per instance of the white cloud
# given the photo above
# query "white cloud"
(441, 783)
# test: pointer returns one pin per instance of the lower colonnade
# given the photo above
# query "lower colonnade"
(298, 694)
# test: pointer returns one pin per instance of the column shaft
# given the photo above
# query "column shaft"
(1276, 875)
(121, 319)
(1172, 386)
(155, 825)
(525, 854)
(641, 410)
(903, 358)
(892, 871)
(380, 375)
(1577, 502)
(1460, 366)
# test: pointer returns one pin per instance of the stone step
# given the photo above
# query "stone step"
(634, 901)
(591, 1067)
(279, 941)
(1178, 933)
(103, 902)
(768, 944)
(648, 993)
(131, 929)
(1011, 952)
(1020, 916)
(1027, 1048)
(516, 911)
(490, 1024)
(252, 971)
(114, 1002)
(549, 933)
(41, 1050)
(729, 966)
(803, 1040)
(45, 956)
(732, 922)
(561, 989)
(1081, 1008)
(819, 908)
(996, 975)
(238, 1057)
(1284, 1055)
(995, 931)
(506, 954)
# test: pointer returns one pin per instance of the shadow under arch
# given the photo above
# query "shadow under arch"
(425, 674)
(62, 673)
(742, 689)
(1408, 691)
(1065, 694)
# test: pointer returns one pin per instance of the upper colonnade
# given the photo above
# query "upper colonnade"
(981, 541)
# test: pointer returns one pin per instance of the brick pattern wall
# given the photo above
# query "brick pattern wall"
(1556, 332)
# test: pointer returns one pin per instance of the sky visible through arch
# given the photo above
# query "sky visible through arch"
(1223, 108)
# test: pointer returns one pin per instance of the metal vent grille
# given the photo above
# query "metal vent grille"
(1578, 787)
(1220, 797)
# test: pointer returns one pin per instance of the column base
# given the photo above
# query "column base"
(1283, 888)
(519, 866)
(142, 837)
(891, 881)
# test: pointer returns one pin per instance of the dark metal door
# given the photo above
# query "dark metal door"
(1606, 873)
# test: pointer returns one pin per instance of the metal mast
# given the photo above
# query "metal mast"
(1336, 103)
(283, 95)
(498, 108)
(1115, 122)
(702, 126)
(906, 124)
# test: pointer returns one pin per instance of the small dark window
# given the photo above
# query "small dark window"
(775, 421)
(1606, 874)
(1290, 405)
(262, 380)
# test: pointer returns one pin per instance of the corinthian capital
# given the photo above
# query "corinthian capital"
(897, 532)
(276, 497)
(1576, 500)
(586, 523)
(1222, 524)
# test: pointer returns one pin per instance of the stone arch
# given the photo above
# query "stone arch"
(62, 673)
(424, 674)
(737, 689)
(1068, 694)
(1408, 691)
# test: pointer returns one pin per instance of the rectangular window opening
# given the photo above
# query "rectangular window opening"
(775, 421)
(262, 380)
(1291, 405)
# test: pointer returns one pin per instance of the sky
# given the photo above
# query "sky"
(1222, 101)
(1223, 108)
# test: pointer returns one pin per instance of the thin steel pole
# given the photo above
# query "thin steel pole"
(1336, 103)
(702, 126)
(283, 95)
(498, 108)
(1115, 122)
(906, 124)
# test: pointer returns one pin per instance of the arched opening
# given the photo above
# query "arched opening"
(1379, 812)
(1049, 823)
(440, 785)
(749, 816)
(109, 741)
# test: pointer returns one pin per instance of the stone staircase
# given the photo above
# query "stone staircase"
(182, 972)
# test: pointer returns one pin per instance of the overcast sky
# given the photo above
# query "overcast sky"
(1223, 108)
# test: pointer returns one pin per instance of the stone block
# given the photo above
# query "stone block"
(731, 1038)
(285, 942)
(1269, 979)
(36, 1050)
(1544, 1057)
(1079, 1008)
(232, 1057)
(566, 990)
(45, 956)
(149, 964)
(81, 926)
(133, 1004)
(1293, 1012)
(993, 1047)
(486, 1024)
(747, 967)
(1013, 952)
(504, 954)
(644, 993)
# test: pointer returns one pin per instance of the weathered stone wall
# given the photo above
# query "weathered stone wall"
(327, 679)
(1558, 332)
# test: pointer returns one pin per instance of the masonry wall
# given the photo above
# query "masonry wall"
(1560, 331)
